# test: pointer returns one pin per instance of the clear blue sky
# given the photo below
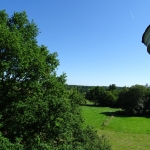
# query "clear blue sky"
(98, 41)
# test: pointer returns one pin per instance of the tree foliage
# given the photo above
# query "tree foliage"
(78, 97)
(102, 97)
(35, 109)
(134, 100)
(112, 87)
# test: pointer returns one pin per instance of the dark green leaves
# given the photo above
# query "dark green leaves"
(36, 111)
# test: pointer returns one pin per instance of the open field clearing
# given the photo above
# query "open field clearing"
(123, 133)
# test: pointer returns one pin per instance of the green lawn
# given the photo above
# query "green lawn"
(124, 133)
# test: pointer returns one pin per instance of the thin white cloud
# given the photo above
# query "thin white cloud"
(132, 14)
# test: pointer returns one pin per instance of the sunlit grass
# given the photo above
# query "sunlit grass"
(123, 132)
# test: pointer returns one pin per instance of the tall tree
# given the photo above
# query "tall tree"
(133, 99)
(35, 110)
(112, 87)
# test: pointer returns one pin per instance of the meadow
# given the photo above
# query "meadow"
(123, 132)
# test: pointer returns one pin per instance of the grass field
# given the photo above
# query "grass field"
(123, 133)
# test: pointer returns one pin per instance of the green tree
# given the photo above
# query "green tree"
(35, 110)
(100, 96)
(90, 95)
(94, 94)
(133, 99)
(112, 87)
(77, 96)
(110, 99)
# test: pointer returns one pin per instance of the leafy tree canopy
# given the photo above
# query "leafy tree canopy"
(134, 99)
(35, 109)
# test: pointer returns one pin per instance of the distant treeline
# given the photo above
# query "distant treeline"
(84, 88)
(132, 100)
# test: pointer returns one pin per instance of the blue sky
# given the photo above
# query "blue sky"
(98, 41)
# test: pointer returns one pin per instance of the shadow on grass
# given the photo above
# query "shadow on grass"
(116, 114)
(90, 105)
(124, 114)
(119, 113)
